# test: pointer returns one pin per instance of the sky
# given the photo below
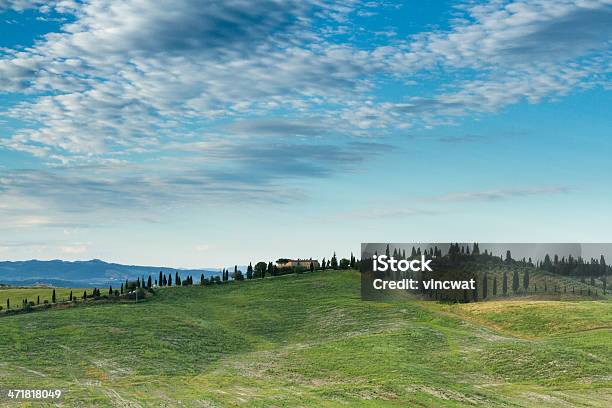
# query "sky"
(204, 133)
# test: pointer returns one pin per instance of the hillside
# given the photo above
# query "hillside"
(308, 340)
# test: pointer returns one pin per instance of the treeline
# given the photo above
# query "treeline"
(465, 262)
(263, 269)
(570, 266)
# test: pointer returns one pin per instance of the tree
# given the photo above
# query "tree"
(352, 263)
(53, 296)
(249, 273)
(38, 298)
(84, 295)
(494, 285)
(160, 279)
(138, 282)
(334, 260)
(8, 304)
(121, 289)
(165, 283)
(177, 279)
(149, 282)
(515, 281)
(323, 264)
(170, 279)
(485, 286)
(238, 276)
(475, 249)
(260, 269)
(505, 284)
(110, 290)
(202, 281)
(526, 279)
(344, 263)
(508, 257)
(270, 269)
(311, 267)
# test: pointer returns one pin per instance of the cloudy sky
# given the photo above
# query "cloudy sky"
(205, 133)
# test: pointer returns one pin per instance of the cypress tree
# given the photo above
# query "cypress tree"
(121, 289)
(8, 304)
(149, 283)
(270, 269)
(84, 295)
(71, 297)
(515, 281)
(202, 279)
(138, 282)
(526, 280)
(110, 290)
(250, 271)
(505, 284)
(38, 298)
(312, 265)
(485, 286)
(53, 296)
(170, 279)
(334, 260)
(494, 285)
(475, 249)
(160, 280)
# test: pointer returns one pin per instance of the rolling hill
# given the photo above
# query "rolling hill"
(309, 340)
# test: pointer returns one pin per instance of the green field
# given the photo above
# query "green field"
(308, 340)
(16, 295)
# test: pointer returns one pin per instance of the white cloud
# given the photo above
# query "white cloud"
(20, 5)
(128, 76)
(126, 80)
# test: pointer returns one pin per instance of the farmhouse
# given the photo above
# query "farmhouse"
(304, 263)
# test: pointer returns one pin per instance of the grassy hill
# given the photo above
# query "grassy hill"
(308, 340)
(16, 295)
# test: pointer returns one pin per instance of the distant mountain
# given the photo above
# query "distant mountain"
(83, 273)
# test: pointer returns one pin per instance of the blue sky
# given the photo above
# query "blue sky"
(190, 133)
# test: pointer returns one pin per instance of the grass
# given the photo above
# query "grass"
(16, 295)
(309, 340)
